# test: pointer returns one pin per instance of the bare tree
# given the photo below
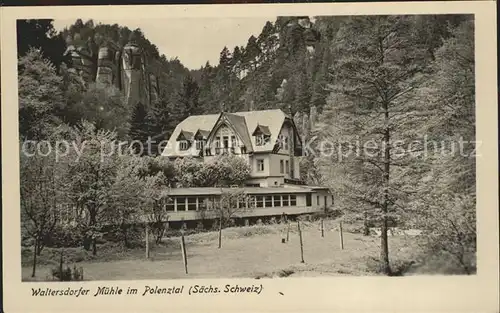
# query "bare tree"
(39, 201)
(231, 204)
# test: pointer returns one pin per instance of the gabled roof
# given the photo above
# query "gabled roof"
(185, 135)
(248, 120)
(240, 126)
(261, 129)
(201, 134)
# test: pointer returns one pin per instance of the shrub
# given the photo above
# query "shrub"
(67, 274)
(398, 267)
(450, 229)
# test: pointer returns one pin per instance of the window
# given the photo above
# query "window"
(260, 165)
(287, 167)
(269, 201)
(277, 200)
(217, 145)
(234, 143)
(285, 200)
(293, 200)
(243, 150)
(282, 167)
(170, 205)
(191, 204)
(200, 144)
(259, 201)
(183, 145)
(242, 203)
(261, 140)
(283, 142)
(181, 204)
(202, 203)
(225, 141)
(317, 200)
(251, 201)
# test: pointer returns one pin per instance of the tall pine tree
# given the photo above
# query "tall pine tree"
(379, 65)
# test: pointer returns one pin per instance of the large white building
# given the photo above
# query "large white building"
(268, 140)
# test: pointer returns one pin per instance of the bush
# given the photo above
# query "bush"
(398, 267)
(450, 230)
(68, 274)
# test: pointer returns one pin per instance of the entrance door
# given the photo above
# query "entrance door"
(308, 199)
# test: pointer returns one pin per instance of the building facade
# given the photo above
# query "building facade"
(268, 141)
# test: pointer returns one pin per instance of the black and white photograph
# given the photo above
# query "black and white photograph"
(290, 146)
(247, 150)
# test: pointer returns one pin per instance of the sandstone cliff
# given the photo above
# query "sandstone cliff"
(125, 68)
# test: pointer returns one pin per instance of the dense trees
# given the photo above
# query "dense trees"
(42, 36)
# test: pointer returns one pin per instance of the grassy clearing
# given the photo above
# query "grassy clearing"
(254, 251)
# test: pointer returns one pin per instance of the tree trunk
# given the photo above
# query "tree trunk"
(86, 243)
(94, 246)
(366, 229)
(147, 241)
(39, 247)
(384, 253)
(61, 276)
(220, 233)
(33, 273)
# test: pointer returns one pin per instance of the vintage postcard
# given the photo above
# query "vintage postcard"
(305, 157)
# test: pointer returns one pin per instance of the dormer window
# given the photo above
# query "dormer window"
(200, 144)
(185, 139)
(183, 145)
(261, 140)
(201, 138)
(262, 135)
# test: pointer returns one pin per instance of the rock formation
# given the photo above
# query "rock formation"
(124, 68)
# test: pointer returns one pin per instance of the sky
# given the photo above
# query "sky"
(193, 40)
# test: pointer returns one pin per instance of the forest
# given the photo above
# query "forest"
(390, 80)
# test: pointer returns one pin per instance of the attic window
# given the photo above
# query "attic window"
(261, 140)
(183, 145)
(262, 135)
(200, 144)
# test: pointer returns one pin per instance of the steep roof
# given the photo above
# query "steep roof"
(200, 133)
(185, 135)
(240, 126)
(244, 123)
(261, 129)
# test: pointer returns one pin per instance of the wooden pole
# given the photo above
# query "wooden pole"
(184, 254)
(147, 241)
(322, 229)
(341, 236)
(301, 245)
(288, 232)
